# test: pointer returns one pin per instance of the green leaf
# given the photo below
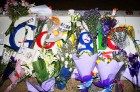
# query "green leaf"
(58, 66)
(39, 67)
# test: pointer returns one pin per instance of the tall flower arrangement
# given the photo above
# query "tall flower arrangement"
(91, 18)
(107, 22)
(131, 33)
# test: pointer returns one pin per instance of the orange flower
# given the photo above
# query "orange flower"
(56, 19)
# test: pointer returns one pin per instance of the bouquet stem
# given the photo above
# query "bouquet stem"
(10, 29)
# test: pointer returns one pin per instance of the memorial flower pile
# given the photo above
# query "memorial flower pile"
(59, 50)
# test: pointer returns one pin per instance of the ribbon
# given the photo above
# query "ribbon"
(108, 89)
(16, 29)
(46, 86)
(86, 82)
(104, 84)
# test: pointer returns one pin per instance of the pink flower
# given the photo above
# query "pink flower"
(6, 7)
(26, 3)
(15, 3)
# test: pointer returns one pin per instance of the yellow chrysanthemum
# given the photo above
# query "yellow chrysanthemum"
(59, 43)
(98, 61)
(131, 32)
(72, 38)
(102, 16)
(109, 60)
(55, 32)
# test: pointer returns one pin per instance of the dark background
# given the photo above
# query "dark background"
(87, 4)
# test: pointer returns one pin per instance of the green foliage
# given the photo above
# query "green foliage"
(2, 68)
(39, 67)
(57, 68)
(14, 13)
(91, 18)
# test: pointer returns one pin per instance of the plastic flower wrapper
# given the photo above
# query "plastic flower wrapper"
(91, 18)
(7, 53)
(107, 22)
(64, 55)
(10, 67)
(46, 66)
(127, 75)
(131, 33)
(85, 65)
(26, 56)
(47, 85)
(54, 34)
(41, 10)
(40, 24)
(53, 22)
(107, 72)
(75, 29)
(120, 55)
(63, 77)
(6, 57)
(119, 37)
(16, 76)
(132, 73)
(39, 68)
(2, 35)
(15, 10)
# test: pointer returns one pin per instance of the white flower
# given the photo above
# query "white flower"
(27, 27)
(66, 62)
(70, 69)
(62, 58)
(67, 54)
(28, 71)
(71, 12)
(70, 55)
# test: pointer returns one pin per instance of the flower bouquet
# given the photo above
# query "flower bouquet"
(107, 73)
(132, 72)
(15, 10)
(107, 22)
(119, 36)
(91, 18)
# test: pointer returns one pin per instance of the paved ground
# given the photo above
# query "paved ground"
(71, 86)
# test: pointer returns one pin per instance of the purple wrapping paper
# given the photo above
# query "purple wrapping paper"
(33, 88)
(111, 69)
(85, 65)
(127, 75)
(46, 86)
(104, 83)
